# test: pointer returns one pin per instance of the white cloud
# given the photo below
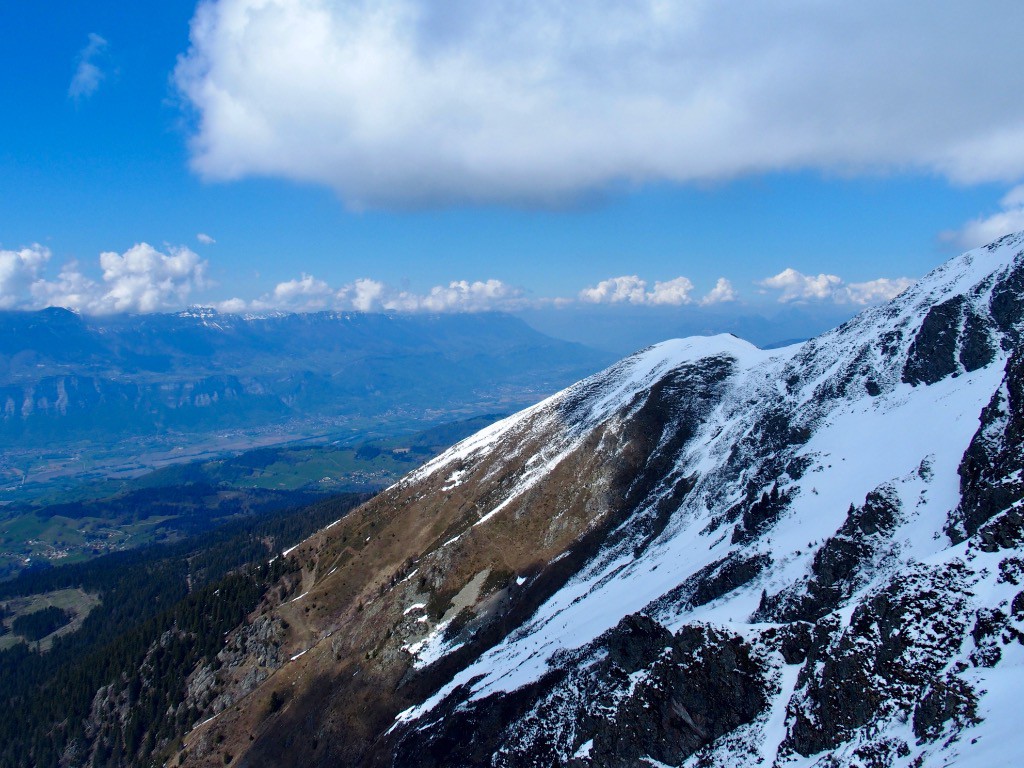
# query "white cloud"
(722, 292)
(457, 296)
(305, 294)
(232, 306)
(428, 102)
(18, 270)
(672, 292)
(70, 289)
(463, 296)
(985, 229)
(627, 289)
(366, 295)
(877, 291)
(630, 289)
(142, 279)
(205, 239)
(88, 75)
(796, 286)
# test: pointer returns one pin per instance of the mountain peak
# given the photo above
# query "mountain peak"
(972, 270)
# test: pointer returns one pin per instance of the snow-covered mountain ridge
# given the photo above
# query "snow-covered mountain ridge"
(708, 554)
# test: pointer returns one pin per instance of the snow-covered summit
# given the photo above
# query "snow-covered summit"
(598, 397)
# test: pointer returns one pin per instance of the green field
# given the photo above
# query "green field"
(68, 525)
(75, 601)
(32, 537)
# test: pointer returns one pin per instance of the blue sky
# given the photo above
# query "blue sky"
(545, 185)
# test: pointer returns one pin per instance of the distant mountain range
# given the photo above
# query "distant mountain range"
(103, 392)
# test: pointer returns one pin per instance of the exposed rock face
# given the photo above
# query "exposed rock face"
(990, 476)
(250, 656)
(707, 555)
(637, 691)
(932, 355)
(111, 729)
(714, 581)
(840, 565)
(877, 667)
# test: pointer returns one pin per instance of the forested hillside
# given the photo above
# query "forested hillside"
(114, 692)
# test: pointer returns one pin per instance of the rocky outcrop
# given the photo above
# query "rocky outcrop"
(637, 693)
(932, 355)
(250, 656)
(991, 472)
(841, 565)
(875, 670)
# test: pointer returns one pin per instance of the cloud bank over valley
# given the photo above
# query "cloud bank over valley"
(144, 279)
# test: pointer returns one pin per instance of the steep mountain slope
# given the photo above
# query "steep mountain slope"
(706, 555)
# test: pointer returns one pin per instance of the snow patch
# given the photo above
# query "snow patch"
(583, 753)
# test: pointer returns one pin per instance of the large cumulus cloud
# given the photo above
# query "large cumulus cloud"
(307, 294)
(428, 102)
(794, 286)
(141, 279)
